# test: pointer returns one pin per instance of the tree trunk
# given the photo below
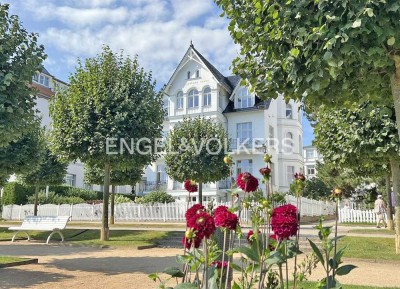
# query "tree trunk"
(112, 204)
(389, 204)
(395, 167)
(35, 206)
(105, 230)
(200, 193)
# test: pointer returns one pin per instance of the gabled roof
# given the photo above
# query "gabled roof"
(259, 105)
(233, 80)
(224, 81)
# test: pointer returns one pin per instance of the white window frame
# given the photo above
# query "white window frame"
(179, 100)
(244, 131)
(289, 111)
(309, 152)
(290, 171)
(188, 75)
(243, 166)
(244, 98)
(271, 136)
(193, 98)
(207, 96)
(311, 170)
(70, 180)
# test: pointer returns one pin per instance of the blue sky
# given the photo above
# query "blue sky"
(158, 31)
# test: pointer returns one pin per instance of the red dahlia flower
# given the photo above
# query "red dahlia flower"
(187, 243)
(265, 172)
(250, 236)
(286, 210)
(225, 219)
(247, 182)
(203, 224)
(284, 221)
(195, 209)
(218, 264)
(190, 186)
(299, 176)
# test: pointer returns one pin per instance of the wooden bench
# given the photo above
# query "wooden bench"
(42, 223)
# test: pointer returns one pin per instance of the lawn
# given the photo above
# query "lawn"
(6, 259)
(370, 248)
(372, 231)
(92, 237)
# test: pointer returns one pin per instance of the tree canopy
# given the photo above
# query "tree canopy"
(127, 176)
(110, 116)
(195, 150)
(20, 58)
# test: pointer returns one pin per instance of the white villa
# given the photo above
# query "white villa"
(197, 88)
(311, 157)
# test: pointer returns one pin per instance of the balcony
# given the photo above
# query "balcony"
(225, 184)
(155, 186)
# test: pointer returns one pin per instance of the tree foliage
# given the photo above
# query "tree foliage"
(20, 58)
(316, 189)
(195, 151)
(155, 197)
(127, 176)
(318, 51)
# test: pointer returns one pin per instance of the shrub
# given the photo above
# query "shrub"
(119, 199)
(156, 197)
(54, 198)
(15, 193)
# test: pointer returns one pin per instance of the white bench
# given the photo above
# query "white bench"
(42, 223)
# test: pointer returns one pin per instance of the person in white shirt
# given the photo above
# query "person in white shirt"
(380, 211)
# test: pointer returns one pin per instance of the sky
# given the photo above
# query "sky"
(158, 31)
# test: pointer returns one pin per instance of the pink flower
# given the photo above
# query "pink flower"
(225, 219)
(190, 186)
(203, 224)
(247, 182)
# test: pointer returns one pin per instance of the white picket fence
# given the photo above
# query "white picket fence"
(357, 216)
(172, 212)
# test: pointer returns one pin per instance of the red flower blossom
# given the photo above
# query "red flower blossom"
(247, 182)
(225, 219)
(190, 186)
(218, 264)
(187, 243)
(299, 176)
(203, 224)
(250, 236)
(284, 221)
(195, 209)
(286, 210)
(265, 172)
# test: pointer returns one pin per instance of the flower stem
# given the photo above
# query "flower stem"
(223, 259)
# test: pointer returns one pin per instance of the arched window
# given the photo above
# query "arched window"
(166, 106)
(193, 98)
(289, 111)
(288, 141)
(197, 73)
(207, 96)
(179, 100)
(188, 75)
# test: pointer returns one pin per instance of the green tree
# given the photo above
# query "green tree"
(363, 139)
(195, 150)
(51, 171)
(321, 52)
(156, 197)
(22, 155)
(20, 58)
(316, 189)
(110, 99)
(127, 176)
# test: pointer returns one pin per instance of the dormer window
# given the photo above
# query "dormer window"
(198, 74)
(35, 77)
(188, 75)
(244, 99)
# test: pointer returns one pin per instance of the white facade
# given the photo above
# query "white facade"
(46, 85)
(197, 88)
(311, 157)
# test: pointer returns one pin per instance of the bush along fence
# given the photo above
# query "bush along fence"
(171, 212)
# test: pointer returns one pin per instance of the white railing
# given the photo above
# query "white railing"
(357, 216)
(172, 212)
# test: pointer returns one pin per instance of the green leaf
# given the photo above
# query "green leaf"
(391, 41)
(185, 286)
(250, 253)
(174, 272)
(257, 20)
(317, 252)
(344, 270)
(235, 285)
(153, 276)
(370, 12)
(357, 23)
(275, 14)
(294, 52)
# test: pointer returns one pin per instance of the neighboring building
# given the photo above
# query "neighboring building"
(311, 157)
(46, 85)
(197, 88)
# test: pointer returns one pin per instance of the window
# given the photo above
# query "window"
(166, 106)
(309, 154)
(188, 75)
(207, 96)
(244, 99)
(179, 100)
(244, 132)
(243, 166)
(197, 73)
(272, 167)
(288, 142)
(44, 80)
(289, 111)
(310, 170)
(289, 174)
(70, 180)
(161, 174)
(300, 145)
(35, 77)
(271, 136)
(193, 98)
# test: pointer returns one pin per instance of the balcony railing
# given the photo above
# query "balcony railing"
(156, 186)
